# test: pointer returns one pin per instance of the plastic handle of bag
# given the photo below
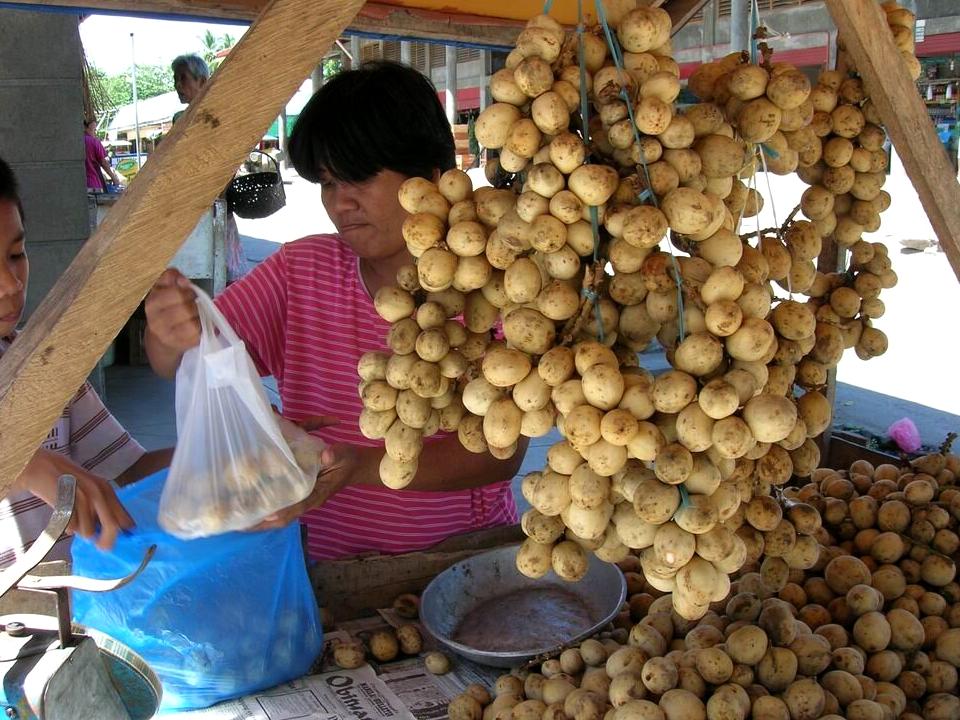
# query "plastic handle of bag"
(213, 317)
(276, 163)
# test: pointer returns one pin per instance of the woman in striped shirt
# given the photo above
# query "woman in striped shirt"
(306, 315)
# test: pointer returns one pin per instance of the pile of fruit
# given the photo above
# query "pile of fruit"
(870, 631)
(615, 220)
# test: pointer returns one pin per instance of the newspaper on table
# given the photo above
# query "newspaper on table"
(339, 695)
(399, 690)
(424, 694)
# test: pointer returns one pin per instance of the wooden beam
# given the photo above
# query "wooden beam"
(374, 18)
(833, 258)
(865, 36)
(519, 11)
(116, 268)
(239, 10)
(413, 20)
(414, 24)
(682, 11)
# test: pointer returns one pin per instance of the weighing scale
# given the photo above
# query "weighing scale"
(52, 670)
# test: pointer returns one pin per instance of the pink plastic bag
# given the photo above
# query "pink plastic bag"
(905, 434)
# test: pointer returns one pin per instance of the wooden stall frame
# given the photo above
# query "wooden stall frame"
(472, 24)
(832, 259)
(114, 271)
(359, 586)
(863, 31)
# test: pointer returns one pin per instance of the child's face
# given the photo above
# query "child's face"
(14, 268)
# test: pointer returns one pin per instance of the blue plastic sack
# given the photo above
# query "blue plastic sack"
(215, 617)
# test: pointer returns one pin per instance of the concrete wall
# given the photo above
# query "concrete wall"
(41, 136)
(942, 16)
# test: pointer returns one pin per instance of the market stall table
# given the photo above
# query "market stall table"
(862, 28)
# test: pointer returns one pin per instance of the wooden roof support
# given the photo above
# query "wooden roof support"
(375, 18)
(434, 26)
(865, 36)
(116, 268)
(238, 10)
(682, 11)
(416, 19)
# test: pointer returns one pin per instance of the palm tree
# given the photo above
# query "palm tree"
(212, 44)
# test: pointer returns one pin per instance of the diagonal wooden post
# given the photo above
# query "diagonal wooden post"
(682, 11)
(116, 268)
(866, 37)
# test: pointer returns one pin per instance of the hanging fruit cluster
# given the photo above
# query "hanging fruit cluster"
(597, 167)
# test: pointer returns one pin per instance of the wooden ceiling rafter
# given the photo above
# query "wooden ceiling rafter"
(395, 19)
(683, 11)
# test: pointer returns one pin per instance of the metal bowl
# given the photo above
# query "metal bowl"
(477, 584)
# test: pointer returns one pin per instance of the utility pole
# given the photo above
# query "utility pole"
(356, 52)
(451, 84)
(282, 138)
(739, 25)
(136, 110)
(709, 31)
(316, 78)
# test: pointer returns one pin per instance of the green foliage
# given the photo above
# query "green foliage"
(331, 66)
(212, 44)
(152, 80)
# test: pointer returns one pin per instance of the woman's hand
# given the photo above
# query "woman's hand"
(338, 463)
(96, 503)
(172, 314)
(173, 321)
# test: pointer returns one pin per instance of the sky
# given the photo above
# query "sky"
(106, 40)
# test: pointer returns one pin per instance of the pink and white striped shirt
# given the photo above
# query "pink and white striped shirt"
(89, 435)
(306, 319)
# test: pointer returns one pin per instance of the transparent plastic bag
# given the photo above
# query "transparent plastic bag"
(232, 466)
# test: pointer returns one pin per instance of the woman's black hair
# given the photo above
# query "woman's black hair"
(9, 188)
(381, 116)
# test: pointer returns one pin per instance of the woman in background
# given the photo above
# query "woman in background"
(190, 74)
(97, 161)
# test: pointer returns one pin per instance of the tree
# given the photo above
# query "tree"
(331, 66)
(152, 80)
(212, 44)
(209, 42)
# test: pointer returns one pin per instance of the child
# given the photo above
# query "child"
(86, 441)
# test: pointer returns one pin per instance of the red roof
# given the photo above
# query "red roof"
(467, 98)
(942, 44)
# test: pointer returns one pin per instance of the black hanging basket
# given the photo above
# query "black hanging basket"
(256, 195)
